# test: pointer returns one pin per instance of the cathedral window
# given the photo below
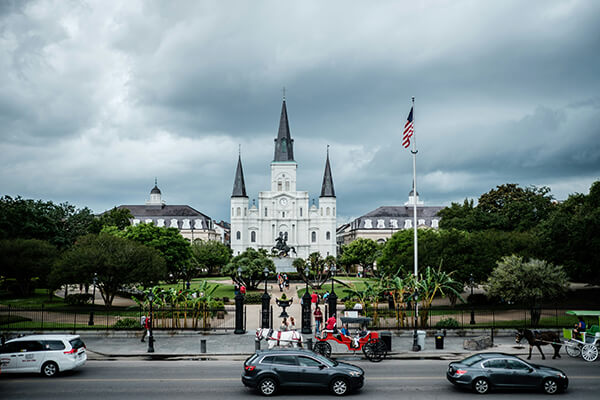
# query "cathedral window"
(232, 212)
(266, 212)
(300, 211)
(328, 235)
(279, 187)
(253, 237)
(287, 185)
(238, 235)
(328, 211)
(238, 211)
(313, 237)
(283, 214)
(334, 211)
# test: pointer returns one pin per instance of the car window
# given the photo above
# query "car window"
(53, 345)
(514, 364)
(325, 360)
(285, 360)
(308, 362)
(13, 347)
(469, 361)
(495, 364)
(267, 360)
(33, 345)
(77, 343)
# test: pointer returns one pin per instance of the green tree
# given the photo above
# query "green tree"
(117, 217)
(115, 262)
(173, 247)
(59, 224)
(210, 256)
(361, 252)
(527, 282)
(570, 236)
(26, 261)
(251, 263)
(397, 254)
(319, 269)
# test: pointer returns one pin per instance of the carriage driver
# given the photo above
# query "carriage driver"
(330, 326)
(579, 327)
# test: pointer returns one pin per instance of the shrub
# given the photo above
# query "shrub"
(127, 323)
(253, 298)
(447, 323)
(78, 299)
(349, 304)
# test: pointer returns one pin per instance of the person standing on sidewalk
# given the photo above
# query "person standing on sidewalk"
(314, 298)
(145, 322)
(318, 319)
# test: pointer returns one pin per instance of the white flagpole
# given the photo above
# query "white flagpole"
(414, 153)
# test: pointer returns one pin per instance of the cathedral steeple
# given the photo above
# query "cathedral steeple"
(239, 186)
(284, 144)
(327, 189)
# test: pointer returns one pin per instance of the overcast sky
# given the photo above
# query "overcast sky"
(98, 98)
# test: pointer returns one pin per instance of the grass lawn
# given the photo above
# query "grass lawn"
(40, 297)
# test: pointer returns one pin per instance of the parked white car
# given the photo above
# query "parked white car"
(46, 354)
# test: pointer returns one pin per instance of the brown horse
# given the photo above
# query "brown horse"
(538, 339)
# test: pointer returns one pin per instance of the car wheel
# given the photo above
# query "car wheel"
(481, 385)
(49, 369)
(268, 386)
(550, 386)
(339, 386)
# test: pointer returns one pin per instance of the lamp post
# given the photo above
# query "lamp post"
(332, 299)
(151, 337)
(266, 301)
(306, 307)
(239, 307)
(472, 283)
(91, 321)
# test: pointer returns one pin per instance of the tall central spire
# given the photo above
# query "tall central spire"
(239, 186)
(327, 189)
(284, 144)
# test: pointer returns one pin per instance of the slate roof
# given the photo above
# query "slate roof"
(239, 186)
(327, 189)
(284, 144)
(168, 212)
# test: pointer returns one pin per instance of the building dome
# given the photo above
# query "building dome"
(155, 190)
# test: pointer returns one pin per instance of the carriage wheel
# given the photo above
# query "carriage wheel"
(322, 348)
(375, 350)
(589, 352)
(573, 349)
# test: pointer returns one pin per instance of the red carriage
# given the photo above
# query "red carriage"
(366, 341)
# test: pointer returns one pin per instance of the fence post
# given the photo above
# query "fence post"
(42, 316)
(493, 325)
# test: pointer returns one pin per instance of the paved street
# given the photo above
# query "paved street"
(219, 379)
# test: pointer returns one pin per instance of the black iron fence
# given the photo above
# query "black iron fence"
(200, 319)
(464, 318)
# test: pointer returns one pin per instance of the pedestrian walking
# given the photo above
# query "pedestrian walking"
(292, 326)
(145, 323)
(243, 290)
(318, 319)
(314, 298)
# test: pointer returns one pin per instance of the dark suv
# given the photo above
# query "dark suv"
(268, 370)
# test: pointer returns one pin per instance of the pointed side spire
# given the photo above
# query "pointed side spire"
(284, 144)
(239, 186)
(327, 189)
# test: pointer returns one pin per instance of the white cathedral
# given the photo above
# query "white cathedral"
(283, 209)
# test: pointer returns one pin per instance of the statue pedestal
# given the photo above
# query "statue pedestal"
(284, 264)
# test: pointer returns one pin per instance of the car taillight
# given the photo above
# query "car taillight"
(72, 351)
(250, 368)
(460, 372)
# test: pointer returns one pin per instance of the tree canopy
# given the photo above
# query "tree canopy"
(252, 264)
(59, 224)
(26, 261)
(210, 256)
(113, 260)
(361, 252)
(173, 247)
(120, 218)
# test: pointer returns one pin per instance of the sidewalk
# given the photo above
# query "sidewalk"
(189, 345)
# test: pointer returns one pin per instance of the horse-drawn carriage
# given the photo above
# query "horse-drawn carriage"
(366, 341)
(586, 344)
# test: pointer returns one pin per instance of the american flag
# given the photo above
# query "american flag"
(408, 130)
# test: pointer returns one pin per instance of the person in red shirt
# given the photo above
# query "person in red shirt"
(243, 289)
(318, 319)
(314, 298)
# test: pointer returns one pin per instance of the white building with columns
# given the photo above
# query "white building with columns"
(284, 209)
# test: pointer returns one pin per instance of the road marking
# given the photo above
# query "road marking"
(374, 378)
